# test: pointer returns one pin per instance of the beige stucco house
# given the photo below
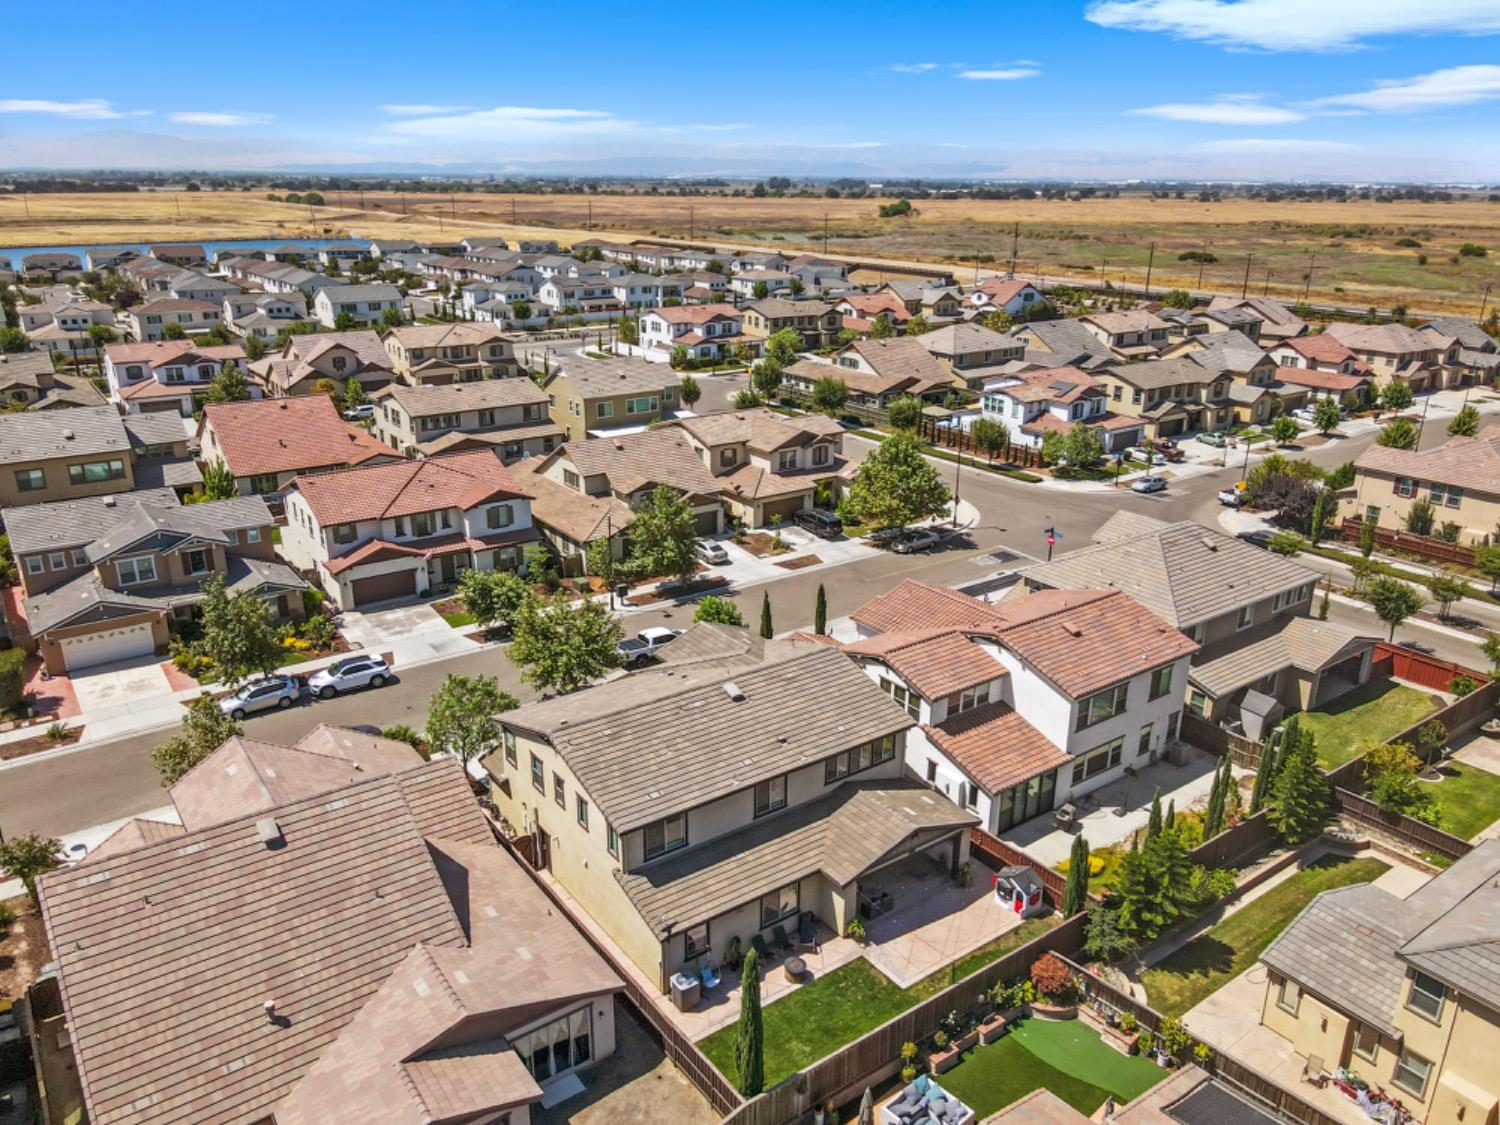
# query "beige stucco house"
(1460, 478)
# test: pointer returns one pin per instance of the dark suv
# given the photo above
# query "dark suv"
(820, 521)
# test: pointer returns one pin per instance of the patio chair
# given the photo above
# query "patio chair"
(706, 972)
(778, 935)
(1313, 1072)
(758, 944)
(807, 933)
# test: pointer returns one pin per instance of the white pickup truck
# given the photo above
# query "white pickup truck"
(642, 647)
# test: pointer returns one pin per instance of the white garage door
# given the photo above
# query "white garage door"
(107, 645)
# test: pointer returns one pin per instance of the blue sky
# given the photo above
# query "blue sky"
(1256, 89)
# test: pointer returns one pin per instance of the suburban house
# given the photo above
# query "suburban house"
(508, 416)
(267, 442)
(1189, 1095)
(105, 578)
(265, 315)
(1246, 608)
(1460, 478)
(1135, 334)
(1478, 355)
(188, 255)
(107, 258)
(1027, 703)
(587, 396)
(1001, 294)
(630, 466)
(61, 325)
(569, 521)
(365, 303)
(746, 283)
(29, 378)
(932, 297)
(344, 253)
(563, 294)
(50, 265)
(188, 285)
(1058, 342)
(1319, 352)
(1184, 324)
(1047, 400)
(861, 311)
(353, 939)
(397, 530)
(86, 451)
(1393, 351)
(817, 322)
(439, 354)
(310, 364)
(1349, 391)
(710, 331)
(1403, 990)
(967, 347)
(769, 465)
(148, 321)
(627, 791)
(644, 290)
(876, 372)
(1190, 392)
(274, 277)
(1277, 321)
(167, 375)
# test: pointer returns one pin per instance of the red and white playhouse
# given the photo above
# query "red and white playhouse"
(1019, 890)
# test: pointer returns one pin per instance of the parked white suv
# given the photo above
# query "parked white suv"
(348, 674)
(637, 650)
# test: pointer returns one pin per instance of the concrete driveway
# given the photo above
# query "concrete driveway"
(128, 684)
(411, 632)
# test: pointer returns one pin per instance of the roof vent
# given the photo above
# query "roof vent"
(732, 690)
(1210, 542)
(270, 1008)
(109, 501)
(1071, 628)
(269, 832)
(67, 435)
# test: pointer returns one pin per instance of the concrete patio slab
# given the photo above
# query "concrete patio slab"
(135, 683)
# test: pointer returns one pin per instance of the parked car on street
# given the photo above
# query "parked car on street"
(1140, 453)
(1218, 441)
(1149, 483)
(1171, 452)
(349, 674)
(820, 521)
(710, 552)
(1230, 497)
(1260, 537)
(261, 695)
(916, 539)
(644, 646)
(360, 413)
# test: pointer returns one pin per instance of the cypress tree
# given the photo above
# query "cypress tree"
(1153, 825)
(1265, 771)
(1299, 796)
(1170, 820)
(820, 612)
(765, 616)
(749, 1044)
(1213, 819)
(1076, 892)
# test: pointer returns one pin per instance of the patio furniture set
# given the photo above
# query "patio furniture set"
(706, 973)
(924, 1102)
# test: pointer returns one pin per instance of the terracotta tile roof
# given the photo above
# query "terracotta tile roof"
(995, 746)
(862, 382)
(696, 314)
(1470, 463)
(159, 352)
(1320, 380)
(287, 435)
(383, 550)
(446, 335)
(869, 306)
(935, 662)
(750, 482)
(1134, 320)
(481, 394)
(404, 488)
(1002, 290)
(1050, 384)
(1328, 349)
(914, 606)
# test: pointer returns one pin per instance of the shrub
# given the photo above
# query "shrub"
(1051, 977)
(939, 1039)
(57, 732)
(908, 1074)
(1146, 1042)
(1174, 1038)
(855, 930)
(317, 630)
(12, 678)
(1461, 685)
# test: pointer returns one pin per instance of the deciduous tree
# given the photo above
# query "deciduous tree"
(720, 611)
(689, 391)
(1465, 423)
(1327, 415)
(905, 413)
(28, 858)
(461, 715)
(218, 481)
(896, 486)
(559, 646)
(237, 633)
(1284, 430)
(765, 377)
(663, 537)
(1447, 587)
(493, 597)
(205, 728)
(829, 394)
(1396, 395)
(991, 436)
(1394, 600)
(1398, 433)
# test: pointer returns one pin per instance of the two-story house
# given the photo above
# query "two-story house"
(770, 466)
(344, 253)
(1460, 478)
(709, 331)
(1001, 294)
(644, 290)
(267, 442)
(1135, 334)
(877, 372)
(365, 303)
(50, 266)
(28, 379)
(1400, 989)
(507, 416)
(975, 354)
(86, 451)
(440, 354)
(1322, 367)
(104, 578)
(564, 295)
(148, 321)
(166, 375)
(1421, 360)
(934, 298)
(313, 364)
(695, 808)
(860, 312)
(746, 284)
(1047, 400)
(397, 530)
(265, 315)
(817, 322)
(189, 285)
(588, 396)
(1027, 703)
(1170, 396)
(1246, 608)
(1277, 321)
(61, 324)
(1055, 343)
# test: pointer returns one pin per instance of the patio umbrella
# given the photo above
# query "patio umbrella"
(867, 1109)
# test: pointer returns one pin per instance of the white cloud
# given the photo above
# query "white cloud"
(89, 109)
(219, 118)
(1227, 109)
(1270, 146)
(423, 110)
(1295, 25)
(1457, 85)
(518, 124)
(913, 68)
(1005, 74)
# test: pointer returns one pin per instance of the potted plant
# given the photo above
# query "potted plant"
(1127, 1022)
(908, 1063)
(1174, 1041)
(965, 1033)
(1203, 1055)
(1146, 1042)
(943, 1055)
(965, 874)
(855, 930)
(1019, 997)
(732, 955)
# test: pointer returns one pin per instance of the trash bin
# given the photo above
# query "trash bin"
(685, 990)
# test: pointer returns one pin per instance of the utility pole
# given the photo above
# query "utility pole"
(1483, 302)
(1202, 262)
(825, 244)
(1015, 242)
(1307, 281)
(1266, 289)
(590, 224)
(1245, 288)
(1150, 261)
(692, 224)
(1421, 422)
(512, 208)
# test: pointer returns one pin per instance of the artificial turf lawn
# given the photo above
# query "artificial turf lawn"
(1066, 1057)
(1374, 711)
(1468, 797)
(1208, 962)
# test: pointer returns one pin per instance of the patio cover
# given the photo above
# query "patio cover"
(1298, 642)
(841, 836)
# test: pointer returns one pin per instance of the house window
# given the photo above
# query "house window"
(968, 699)
(570, 478)
(1426, 996)
(1411, 1073)
(421, 523)
(1143, 747)
(862, 757)
(195, 562)
(1098, 760)
(820, 455)
(57, 560)
(1289, 996)
(770, 795)
(666, 835)
(695, 941)
(605, 410)
(1446, 496)
(343, 533)
(1405, 486)
(786, 459)
(136, 571)
(904, 696)
(1246, 617)
(35, 564)
(29, 480)
(91, 472)
(1366, 1042)
(252, 535)
(538, 778)
(559, 791)
(264, 483)
(581, 811)
(728, 457)
(1161, 682)
(1101, 706)
(558, 1047)
(778, 905)
(1197, 702)
(80, 559)
(612, 840)
(1194, 633)
(645, 405)
(501, 515)
(509, 738)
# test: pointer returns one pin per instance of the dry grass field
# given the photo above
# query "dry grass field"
(1350, 246)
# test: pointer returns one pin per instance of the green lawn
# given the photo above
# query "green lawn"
(1377, 710)
(1469, 798)
(458, 620)
(838, 1007)
(1066, 1057)
(1210, 961)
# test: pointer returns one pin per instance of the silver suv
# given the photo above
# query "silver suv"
(261, 695)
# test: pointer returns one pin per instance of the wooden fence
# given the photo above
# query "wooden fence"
(1423, 546)
(1234, 843)
(1216, 740)
(996, 853)
(874, 1056)
(1408, 830)
(960, 441)
(1429, 671)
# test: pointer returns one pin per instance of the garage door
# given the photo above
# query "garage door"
(784, 508)
(385, 586)
(706, 523)
(106, 646)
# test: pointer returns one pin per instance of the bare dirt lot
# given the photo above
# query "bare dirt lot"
(1351, 247)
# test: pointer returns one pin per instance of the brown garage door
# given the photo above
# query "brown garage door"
(385, 586)
(783, 508)
(706, 523)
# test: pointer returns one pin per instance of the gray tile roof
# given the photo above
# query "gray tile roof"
(1462, 329)
(171, 523)
(156, 473)
(840, 835)
(157, 427)
(1227, 351)
(643, 759)
(379, 291)
(1461, 944)
(45, 436)
(597, 378)
(1183, 572)
(483, 394)
(1158, 373)
(1297, 642)
(1066, 336)
(73, 523)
